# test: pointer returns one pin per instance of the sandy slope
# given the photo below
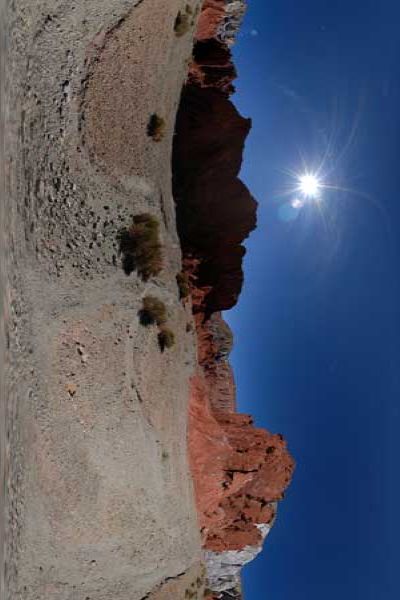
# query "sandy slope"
(100, 499)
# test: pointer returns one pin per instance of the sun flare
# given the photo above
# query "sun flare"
(309, 185)
(297, 203)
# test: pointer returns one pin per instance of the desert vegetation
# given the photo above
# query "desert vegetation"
(183, 21)
(182, 280)
(156, 127)
(166, 338)
(140, 246)
(153, 311)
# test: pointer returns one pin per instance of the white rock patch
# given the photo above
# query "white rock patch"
(224, 568)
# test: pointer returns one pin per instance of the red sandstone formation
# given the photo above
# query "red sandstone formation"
(239, 471)
(211, 16)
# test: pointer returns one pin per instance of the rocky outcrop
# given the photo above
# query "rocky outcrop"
(212, 15)
(212, 225)
(234, 14)
(224, 568)
(221, 19)
(240, 472)
(207, 158)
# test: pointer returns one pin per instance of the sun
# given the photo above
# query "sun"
(309, 185)
(306, 192)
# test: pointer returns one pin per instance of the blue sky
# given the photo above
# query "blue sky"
(317, 328)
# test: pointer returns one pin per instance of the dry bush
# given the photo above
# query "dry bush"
(183, 22)
(140, 246)
(182, 280)
(153, 311)
(166, 338)
(156, 127)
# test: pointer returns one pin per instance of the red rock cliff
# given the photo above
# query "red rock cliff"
(239, 471)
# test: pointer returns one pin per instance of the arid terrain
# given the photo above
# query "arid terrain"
(129, 474)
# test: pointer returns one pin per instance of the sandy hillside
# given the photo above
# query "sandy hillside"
(100, 498)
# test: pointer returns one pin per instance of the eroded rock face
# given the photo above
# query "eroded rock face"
(221, 19)
(224, 568)
(212, 15)
(215, 210)
(239, 471)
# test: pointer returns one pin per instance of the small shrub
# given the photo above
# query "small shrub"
(189, 327)
(153, 311)
(140, 246)
(166, 338)
(165, 455)
(156, 127)
(182, 280)
(182, 22)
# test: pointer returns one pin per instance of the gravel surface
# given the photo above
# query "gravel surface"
(99, 498)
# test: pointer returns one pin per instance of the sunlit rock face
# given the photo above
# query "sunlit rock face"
(235, 11)
(240, 472)
(221, 19)
(224, 568)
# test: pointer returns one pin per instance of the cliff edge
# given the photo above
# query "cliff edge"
(240, 472)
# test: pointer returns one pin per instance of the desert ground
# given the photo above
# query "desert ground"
(99, 493)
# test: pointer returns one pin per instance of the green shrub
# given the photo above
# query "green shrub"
(140, 246)
(153, 311)
(182, 280)
(156, 127)
(166, 338)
